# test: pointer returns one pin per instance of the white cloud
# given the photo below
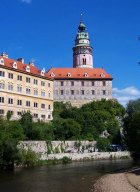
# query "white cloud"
(26, 1)
(126, 94)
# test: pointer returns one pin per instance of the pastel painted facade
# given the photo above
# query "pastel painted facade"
(23, 87)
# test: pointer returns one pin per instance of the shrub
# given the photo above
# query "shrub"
(30, 158)
(66, 160)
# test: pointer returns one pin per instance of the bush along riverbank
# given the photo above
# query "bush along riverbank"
(31, 159)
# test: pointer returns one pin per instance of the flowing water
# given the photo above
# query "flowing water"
(74, 177)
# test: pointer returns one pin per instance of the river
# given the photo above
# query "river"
(74, 177)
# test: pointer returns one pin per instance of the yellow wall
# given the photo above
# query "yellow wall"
(15, 95)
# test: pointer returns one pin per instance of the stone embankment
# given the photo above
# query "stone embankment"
(75, 150)
(90, 156)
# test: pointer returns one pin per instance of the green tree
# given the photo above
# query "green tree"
(93, 118)
(65, 129)
(42, 131)
(27, 124)
(133, 106)
(132, 127)
(102, 144)
(11, 133)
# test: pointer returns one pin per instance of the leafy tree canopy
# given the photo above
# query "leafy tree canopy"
(132, 127)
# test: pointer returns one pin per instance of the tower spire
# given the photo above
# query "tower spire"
(81, 18)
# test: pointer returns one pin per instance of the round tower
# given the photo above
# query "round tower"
(82, 51)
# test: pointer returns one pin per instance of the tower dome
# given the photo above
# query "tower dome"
(81, 27)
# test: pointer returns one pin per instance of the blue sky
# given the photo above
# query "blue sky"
(45, 30)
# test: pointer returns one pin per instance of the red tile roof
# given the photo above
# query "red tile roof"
(8, 63)
(78, 73)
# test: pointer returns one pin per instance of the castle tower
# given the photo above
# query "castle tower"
(82, 51)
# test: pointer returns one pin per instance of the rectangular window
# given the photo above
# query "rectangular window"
(43, 93)
(43, 116)
(10, 101)
(82, 83)
(10, 75)
(19, 113)
(28, 80)
(49, 85)
(2, 74)
(72, 92)
(1, 112)
(72, 83)
(10, 87)
(62, 83)
(35, 92)
(43, 83)
(42, 105)
(1, 99)
(28, 91)
(19, 102)
(49, 106)
(104, 83)
(19, 89)
(2, 85)
(28, 103)
(35, 104)
(93, 83)
(104, 92)
(62, 92)
(35, 115)
(19, 78)
(35, 81)
(93, 92)
(49, 116)
(83, 92)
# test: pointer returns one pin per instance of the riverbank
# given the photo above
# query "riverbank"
(128, 181)
(89, 156)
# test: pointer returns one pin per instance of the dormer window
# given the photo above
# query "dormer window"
(43, 71)
(1, 61)
(28, 68)
(69, 74)
(52, 74)
(15, 65)
(86, 75)
(102, 75)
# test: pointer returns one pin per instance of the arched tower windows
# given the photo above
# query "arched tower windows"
(84, 61)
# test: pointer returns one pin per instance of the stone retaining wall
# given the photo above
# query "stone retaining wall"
(83, 150)
(90, 156)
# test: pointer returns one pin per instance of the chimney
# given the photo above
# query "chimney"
(3, 54)
(21, 60)
(31, 63)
